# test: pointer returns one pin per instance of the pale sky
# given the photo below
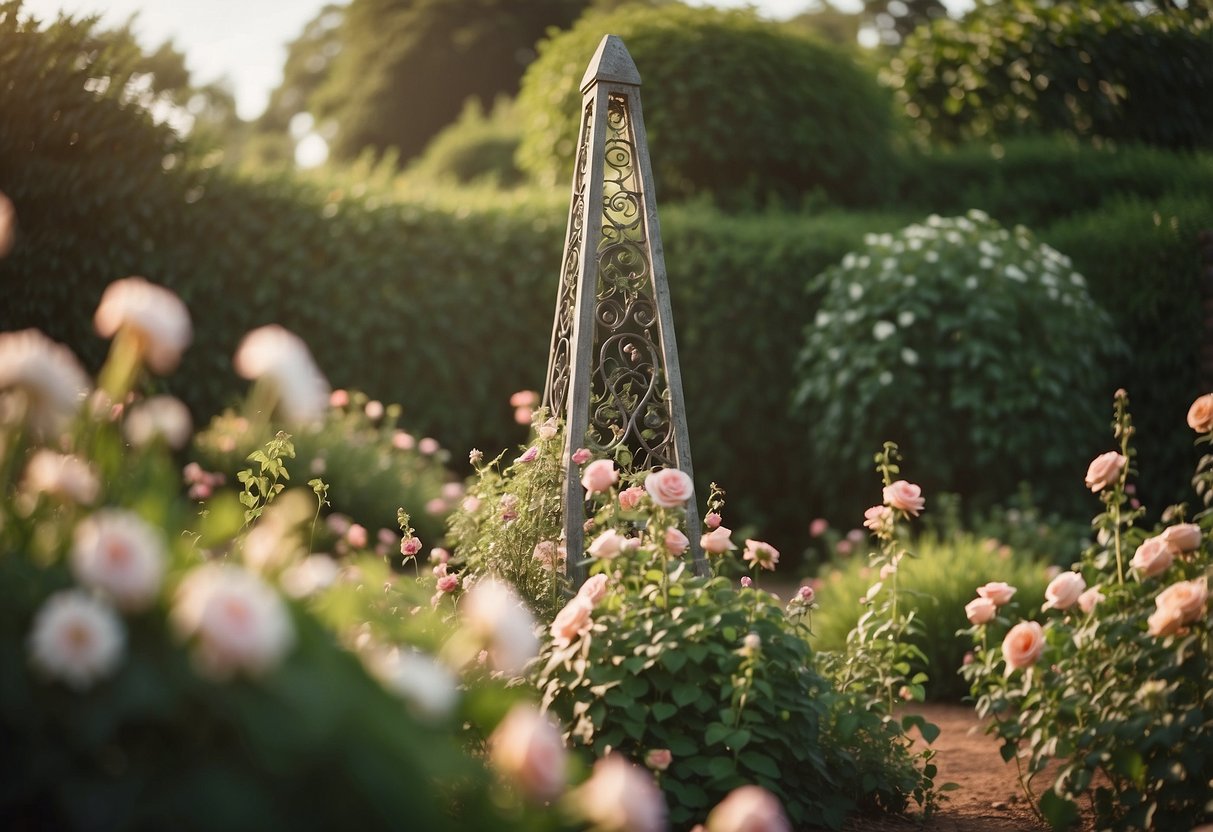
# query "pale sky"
(251, 55)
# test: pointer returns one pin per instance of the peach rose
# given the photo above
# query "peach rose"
(717, 542)
(1200, 414)
(676, 542)
(610, 544)
(1185, 537)
(1104, 470)
(594, 589)
(629, 498)
(980, 611)
(1089, 599)
(599, 476)
(905, 496)
(620, 797)
(1063, 591)
(1166, 621)
(573, 621)
(997, 591)
(748, 809)
(1153, 557)
(1187, 598)
(669, 487)
(526, 748)
(878, 518)
(1023, 645)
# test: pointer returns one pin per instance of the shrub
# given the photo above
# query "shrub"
(1143, 260)
(372, 468)
(476, 149)
(1115, 685)
(967, 344)
(1101, 71)
(1040, 180)
(940, 578)
(155, 670)
(649, 660)
(735, 108)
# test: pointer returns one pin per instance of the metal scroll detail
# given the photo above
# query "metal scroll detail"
(629, 398)
(556, 389)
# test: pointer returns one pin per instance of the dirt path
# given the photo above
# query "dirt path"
(988, 797)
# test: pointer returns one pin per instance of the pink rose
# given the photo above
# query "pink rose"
(878, 518)
(676, 542)
(548, 552)
(448, 583)
(1186, 598)
(1153, 557)
(904, 496)
(997, 591)
(594, 589)
(659, 759)
(1185, 537)
(526, 748)
(522, 415)
(572, 621)
(806, 594)
(746, 582)
(629, 498)
(610, 544)
(580, 456)
(355, 535)
(410, 546)
(717, 542)
(818, 527)
(1200, 414)
(524, 398)
(748, 809)
(980, 610)
(339, 398)
(599, 476)
(1023, 645)
(1089, 599)
(1063, 591)
(758, 553)
(1104, 470)
(669, 487)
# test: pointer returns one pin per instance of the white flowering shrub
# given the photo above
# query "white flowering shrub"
(974, 347)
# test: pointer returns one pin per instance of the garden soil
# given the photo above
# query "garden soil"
(987, 797)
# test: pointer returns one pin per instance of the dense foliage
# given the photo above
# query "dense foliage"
(735, 108)
(940, 337)
(1115, 684)
(405, 67)
(1101, 70)
(936, 584)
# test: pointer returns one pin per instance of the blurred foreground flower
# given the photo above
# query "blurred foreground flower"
(239, 622)
(151, 319)
(162, 417)
(63, 476)
(115, 552)
(279, 358)
(46, 375)
(77, 638)
(621, 797)
(526, 748)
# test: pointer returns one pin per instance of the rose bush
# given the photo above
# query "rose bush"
(171, 655)
(1116, 683)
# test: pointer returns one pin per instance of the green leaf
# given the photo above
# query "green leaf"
(760, 763)
(685, 693)
(663, 711)
(1058, 811)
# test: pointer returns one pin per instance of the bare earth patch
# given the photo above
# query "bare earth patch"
(988, 798)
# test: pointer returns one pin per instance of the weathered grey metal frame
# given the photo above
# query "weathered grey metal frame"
(611, 76)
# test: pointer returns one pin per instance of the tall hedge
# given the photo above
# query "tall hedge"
(736, 108)
(1100, 70)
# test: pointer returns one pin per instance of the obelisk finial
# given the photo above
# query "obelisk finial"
(611, 64)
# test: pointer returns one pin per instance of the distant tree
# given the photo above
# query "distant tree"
(309, 60)
(829, 22)
(894, 20)
(406, 67)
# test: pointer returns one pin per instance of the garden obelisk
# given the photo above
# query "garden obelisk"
(613, 365)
